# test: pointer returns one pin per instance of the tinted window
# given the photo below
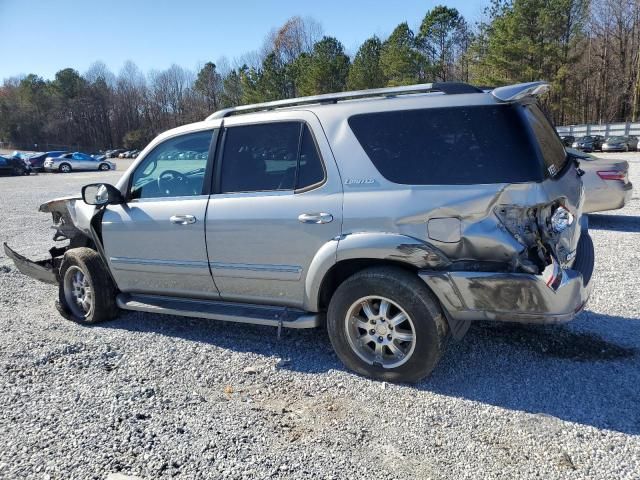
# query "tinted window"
(311, 170)
(449, 146)
(175, 168)
(265, 157)
(550, 144)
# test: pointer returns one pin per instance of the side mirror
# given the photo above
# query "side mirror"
(101, 194)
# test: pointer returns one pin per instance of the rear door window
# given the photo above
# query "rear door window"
(268, 157)
(449, 146)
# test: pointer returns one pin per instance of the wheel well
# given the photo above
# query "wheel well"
(344, 269)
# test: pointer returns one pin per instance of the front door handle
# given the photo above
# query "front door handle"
(183, 219)
(315, 217)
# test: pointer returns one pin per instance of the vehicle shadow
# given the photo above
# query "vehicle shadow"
(563, 371)
(618, 223)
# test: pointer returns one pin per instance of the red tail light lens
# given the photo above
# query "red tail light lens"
(611, 175)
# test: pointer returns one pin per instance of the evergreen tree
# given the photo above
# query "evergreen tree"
(440, 32)
(325, 70)
(400, 61)
(366, 72)
(209, 85)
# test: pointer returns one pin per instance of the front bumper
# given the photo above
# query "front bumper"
(613, 148)
(43, 270)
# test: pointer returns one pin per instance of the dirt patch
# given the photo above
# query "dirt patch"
(557, 341)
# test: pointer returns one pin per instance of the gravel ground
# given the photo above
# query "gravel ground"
(160, 396)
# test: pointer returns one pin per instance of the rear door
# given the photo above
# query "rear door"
(277, 201)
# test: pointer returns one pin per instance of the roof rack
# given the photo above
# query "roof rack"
(449, 88)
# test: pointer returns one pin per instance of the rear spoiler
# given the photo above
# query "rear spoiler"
(512, 93)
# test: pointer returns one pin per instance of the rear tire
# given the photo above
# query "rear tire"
(585, 257)
(65, 168)
(86, 293)
(375, 341)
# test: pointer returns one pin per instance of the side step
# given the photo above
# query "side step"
(218, 310)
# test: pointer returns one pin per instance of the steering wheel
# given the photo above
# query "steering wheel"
(168, 180)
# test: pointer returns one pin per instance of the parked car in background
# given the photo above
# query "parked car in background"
(606, 182)
(619, 144)
(13, 166)
(99, 156)
(37, 160)
(632, 140)
(340, 209)
(588, 143)
(568, 140)
(76, 161)
(114, 153)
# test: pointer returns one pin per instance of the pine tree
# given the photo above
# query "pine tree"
(401, 63)
(366, 72)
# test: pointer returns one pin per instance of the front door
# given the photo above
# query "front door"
(278, 200)
(155, 242)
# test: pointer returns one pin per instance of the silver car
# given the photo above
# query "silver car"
(606, 182)
(69, 162)
(394, 216)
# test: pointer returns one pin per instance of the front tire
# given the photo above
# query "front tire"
(384, 323)
(86, 293)
(104, 167)
(64, 168)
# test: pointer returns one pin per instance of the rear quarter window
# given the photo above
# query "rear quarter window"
(449, 146)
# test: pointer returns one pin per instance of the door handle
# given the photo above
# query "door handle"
(183, 219)
(315, 217)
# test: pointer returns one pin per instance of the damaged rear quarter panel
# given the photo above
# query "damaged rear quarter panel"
(406, 210)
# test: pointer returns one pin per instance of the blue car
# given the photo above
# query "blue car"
(13, 166)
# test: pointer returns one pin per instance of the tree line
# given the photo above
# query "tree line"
(588, 50)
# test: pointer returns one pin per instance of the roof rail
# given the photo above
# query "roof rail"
(450, 88)
(511, 93)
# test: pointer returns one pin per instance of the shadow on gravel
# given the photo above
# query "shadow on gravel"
(617, 223)
(573, 375)
(555, 370)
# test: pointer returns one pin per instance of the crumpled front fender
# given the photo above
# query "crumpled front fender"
(71, 217)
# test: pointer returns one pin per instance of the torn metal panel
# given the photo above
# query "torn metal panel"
(71, 217)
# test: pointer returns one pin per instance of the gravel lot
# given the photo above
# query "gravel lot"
(159, 396)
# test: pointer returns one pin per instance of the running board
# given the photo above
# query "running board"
(274, 316)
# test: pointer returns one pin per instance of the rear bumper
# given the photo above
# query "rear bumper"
(517, 297)
(614, 196)
(42, 270)
(508, 297)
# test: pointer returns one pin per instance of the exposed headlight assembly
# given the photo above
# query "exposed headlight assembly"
(561, 219)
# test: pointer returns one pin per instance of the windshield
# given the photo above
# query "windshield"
(615, 139)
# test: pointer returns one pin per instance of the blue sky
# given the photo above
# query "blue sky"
(44, 36)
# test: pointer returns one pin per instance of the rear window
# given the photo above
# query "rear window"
(550, 144)
(449, 146)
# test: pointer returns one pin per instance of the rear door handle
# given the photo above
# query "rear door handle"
(183, 219)
(315, 217)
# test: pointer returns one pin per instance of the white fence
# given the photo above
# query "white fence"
(605, 129)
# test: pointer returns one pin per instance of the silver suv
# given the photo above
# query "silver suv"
(395, 216)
